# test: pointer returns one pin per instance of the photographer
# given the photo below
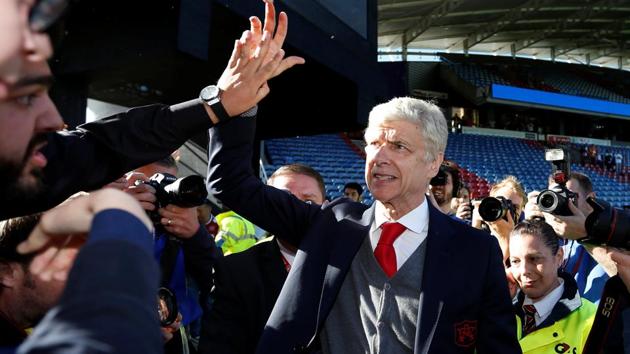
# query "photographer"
(512, 195)
(183, 247)
(445, 186)
(461, 204)
(587, 271)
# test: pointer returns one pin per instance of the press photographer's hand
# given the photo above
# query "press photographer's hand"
(142, 192)
(571, 227)
(178, 221)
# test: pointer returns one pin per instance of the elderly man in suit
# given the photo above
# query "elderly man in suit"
(399, 276)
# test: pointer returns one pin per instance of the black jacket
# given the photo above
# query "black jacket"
(247, 285)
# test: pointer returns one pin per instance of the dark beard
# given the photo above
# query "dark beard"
(13, 188)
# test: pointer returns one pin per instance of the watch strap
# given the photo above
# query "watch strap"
(219, 111)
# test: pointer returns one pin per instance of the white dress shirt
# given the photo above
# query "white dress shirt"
(545, 305)
(417, 224)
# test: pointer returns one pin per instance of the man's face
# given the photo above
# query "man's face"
(444, 194)
(18, 43)
(396, 172)
(305, 188)
(575, 187)
(25, 118)
(352, 194)
(533, 265)
(26, 297)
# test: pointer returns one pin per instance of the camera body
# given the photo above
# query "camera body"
(185, 192)
(607, 225)
(440, 179)
(556, 200)
(493, 209)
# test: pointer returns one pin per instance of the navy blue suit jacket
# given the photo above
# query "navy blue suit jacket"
(465, 303)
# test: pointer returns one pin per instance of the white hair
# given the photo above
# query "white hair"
(425, 114)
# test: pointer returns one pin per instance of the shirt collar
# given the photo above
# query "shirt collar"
(417, 220)
(547, 303)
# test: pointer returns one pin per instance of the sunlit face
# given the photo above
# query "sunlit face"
(352, 194)
(443, 194)
(397, 173)
(534, 267)
(508, 192)
(25, 118)
(304, 187)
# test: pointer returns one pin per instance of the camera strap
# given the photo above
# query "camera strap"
(614, 298)
(168, 260)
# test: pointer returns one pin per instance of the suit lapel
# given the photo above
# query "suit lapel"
(436, 278)
(346, 248)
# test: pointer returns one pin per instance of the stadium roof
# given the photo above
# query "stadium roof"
(578, 31)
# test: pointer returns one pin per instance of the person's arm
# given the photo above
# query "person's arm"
(232, 180)
(109, 303)
(106, 149)
(497, 323)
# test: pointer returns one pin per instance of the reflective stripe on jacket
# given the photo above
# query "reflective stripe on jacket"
(236, 234)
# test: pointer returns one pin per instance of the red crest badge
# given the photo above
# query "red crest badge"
(466, 333)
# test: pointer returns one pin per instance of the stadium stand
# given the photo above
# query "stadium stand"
(483, 160)
(335, 157)
(552, 79)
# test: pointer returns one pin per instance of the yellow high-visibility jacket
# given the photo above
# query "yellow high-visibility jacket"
(235, 234)
(567, 327)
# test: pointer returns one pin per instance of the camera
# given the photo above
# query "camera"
(440, 179)
(185, 192)
(167, 307)
(556, 200)
(607, 225)
(493, 209)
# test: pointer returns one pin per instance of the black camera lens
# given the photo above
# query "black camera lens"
(167, 307)
(556, 201)
(548, 201)
(491, 209)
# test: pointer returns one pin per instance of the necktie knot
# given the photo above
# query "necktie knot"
(384, 251)
(390, 232)
(529, 309)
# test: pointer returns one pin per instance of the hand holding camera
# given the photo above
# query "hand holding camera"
(178, 221)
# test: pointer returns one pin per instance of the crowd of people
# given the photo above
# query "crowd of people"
(98, 256)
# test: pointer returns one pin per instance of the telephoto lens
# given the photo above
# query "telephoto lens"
(493, 209)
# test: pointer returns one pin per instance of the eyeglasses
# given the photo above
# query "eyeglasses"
(45, 12)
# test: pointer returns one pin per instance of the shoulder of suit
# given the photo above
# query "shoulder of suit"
(464, 230)
(346, 208)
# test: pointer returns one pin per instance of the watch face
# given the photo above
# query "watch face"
(209, 93)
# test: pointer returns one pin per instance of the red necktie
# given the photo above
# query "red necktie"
(384, 251)
(529, 319)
